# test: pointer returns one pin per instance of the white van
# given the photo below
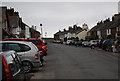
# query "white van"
(68, 42)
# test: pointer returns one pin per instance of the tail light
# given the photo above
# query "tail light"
(44, 47)
(41, 54)
(36, 56)
(8, 75)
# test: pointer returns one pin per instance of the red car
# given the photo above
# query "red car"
(38, 42)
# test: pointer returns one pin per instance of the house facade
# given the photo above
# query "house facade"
(83, 33)
(12, 26)
(107, 29)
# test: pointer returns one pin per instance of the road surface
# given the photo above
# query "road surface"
(70, 62)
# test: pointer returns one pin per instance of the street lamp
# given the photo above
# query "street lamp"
(41, 31)
(46, 34)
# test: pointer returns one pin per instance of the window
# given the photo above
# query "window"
(3, 46)
(14, 46)
(24, 47)
(108, 31)
(36, 42)
(119, 28)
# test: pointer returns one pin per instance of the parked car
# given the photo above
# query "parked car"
(14, 39)
(85, 43)
(72, 43)
(68, 42)
(78, 43)
(27, 51)
(117, 45)
(11, 67)
(41, 45)
(107, 44)
(93, 43)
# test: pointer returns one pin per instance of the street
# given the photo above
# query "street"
(70, 62)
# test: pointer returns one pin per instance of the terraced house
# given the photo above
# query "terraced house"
(12, 26)
(107, 29)
(74, 32)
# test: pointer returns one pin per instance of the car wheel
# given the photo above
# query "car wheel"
(27, 66)
(92, 47)
(41, 60)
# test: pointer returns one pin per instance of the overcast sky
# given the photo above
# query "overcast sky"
(60, 15)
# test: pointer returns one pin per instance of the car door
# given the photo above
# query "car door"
(16, 47)
(28, 52)
(15, 68)
(20, 74)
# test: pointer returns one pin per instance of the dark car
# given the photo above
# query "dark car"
(118, 45)
(78, 43)
(107, 44)
(85, 43)
(11, 67)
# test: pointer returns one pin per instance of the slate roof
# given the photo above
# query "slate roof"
(115, 24)
(77, 30)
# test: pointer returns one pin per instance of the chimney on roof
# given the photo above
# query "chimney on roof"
(64, 29)
(85, 26)
(70, 28)
(59, 31)
(16, 13)
(115, 17)
(10, 11)
(98, 23)
(107, 20)
(75, 27)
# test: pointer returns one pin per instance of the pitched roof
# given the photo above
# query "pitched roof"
(93, 29)
(77, 30)
(115, 24)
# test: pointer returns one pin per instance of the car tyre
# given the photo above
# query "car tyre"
(27, 66)
(92, 47)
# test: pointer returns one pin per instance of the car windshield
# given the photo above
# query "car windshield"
(36, 42)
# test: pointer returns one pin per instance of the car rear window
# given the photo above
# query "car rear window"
(36, 42)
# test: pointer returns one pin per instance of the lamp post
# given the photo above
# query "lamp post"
(41, 31)
(46, 34)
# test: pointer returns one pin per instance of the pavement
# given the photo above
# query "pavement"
(70, 62)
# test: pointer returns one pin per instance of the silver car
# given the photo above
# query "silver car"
(27, 51)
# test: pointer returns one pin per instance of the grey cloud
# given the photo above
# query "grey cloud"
(59, 15)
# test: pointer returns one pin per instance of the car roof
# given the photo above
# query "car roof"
(34, 39)
(23, 38)
(23, 42)
(14, 38)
